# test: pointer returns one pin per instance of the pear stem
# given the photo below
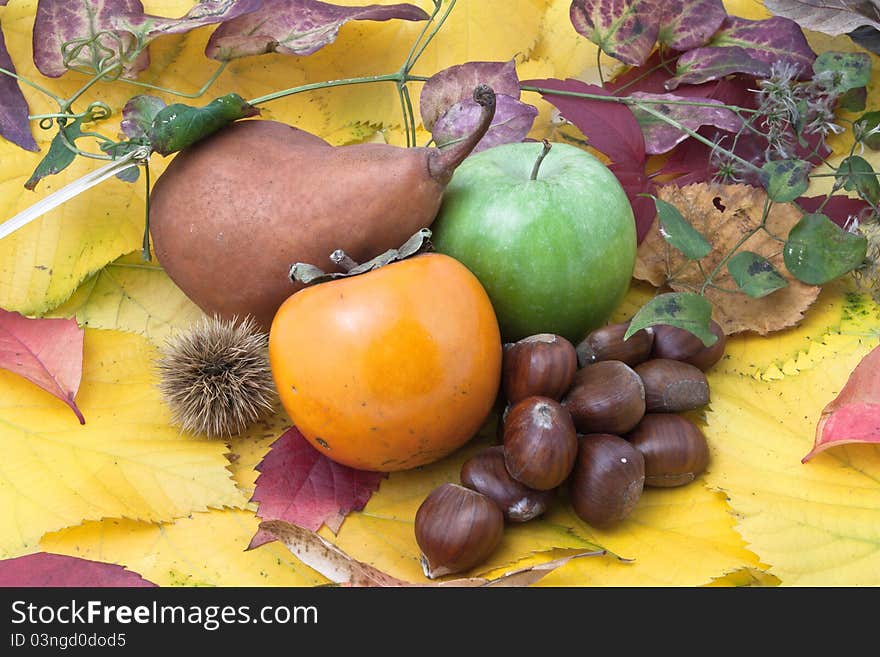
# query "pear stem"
(540, 159)
(442, 163)
(342, 260)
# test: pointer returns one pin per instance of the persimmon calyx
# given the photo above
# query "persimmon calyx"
(308, 274)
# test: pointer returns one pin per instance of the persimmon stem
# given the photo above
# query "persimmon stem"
(540, 159)
(342, 260)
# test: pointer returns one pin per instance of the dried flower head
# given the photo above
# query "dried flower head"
(215, 377)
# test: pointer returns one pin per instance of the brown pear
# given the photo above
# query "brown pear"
(233, 212)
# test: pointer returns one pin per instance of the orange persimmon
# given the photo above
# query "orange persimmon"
(390, 369)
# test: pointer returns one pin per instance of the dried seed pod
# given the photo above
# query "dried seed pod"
(607, 480)
(486, 473)
(215, 377)
(678, 344)
(606, 397)
(674, 448)
(542, 365)
(672, 386)
(540, 443)
(456, 529)
(607, 343)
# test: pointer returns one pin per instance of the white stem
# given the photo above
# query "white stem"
(67, 192)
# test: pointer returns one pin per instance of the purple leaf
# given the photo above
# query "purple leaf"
(623, 29)
(296, 27)
(43, 569)
(206, 12)
(138, 115)
(770, 40)
(457, 83)
(88, 27)
(300, 485)
(704, 64)
(100, 33)
(661, 137)
(14, 124)
(636, 183)
(512, 121)
(610, 127)
(686, 24)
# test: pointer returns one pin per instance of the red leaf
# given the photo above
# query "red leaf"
(48, 352)
(854, 415)
(300, 485)
(611, 127)
(840, 209)
(44, 570)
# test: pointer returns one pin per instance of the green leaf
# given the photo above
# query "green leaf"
(59, 156)
(853, 100)
(754, 274)
(846, 70)
(678, 232)
(857, 175)
(785, 180)
(870, 121)
(685, 310)
(178, 126)
(818, 250)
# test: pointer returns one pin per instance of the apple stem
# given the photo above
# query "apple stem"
(540, 159)
(341, 259)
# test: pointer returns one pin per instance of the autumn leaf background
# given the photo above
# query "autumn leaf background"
(128, 489)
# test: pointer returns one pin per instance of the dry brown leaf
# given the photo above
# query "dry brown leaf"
(337, 566)
(724, 214)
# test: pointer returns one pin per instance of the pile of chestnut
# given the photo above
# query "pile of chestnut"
(602, 419)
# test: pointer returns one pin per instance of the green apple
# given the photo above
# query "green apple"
(552, 239)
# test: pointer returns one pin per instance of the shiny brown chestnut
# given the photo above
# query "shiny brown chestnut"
(607, 480)
(672, 386)
(456, 529)
(540, 443)
(674, 448)
(486, 473)
(678, 344)
(607, 343)
(606, 397)
(542, 365)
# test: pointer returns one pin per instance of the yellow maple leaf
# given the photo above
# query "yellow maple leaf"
(126, 461)
(204, 549)
(131, 295)
(816, 523)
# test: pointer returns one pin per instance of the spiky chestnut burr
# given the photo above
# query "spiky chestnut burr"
(215, 377)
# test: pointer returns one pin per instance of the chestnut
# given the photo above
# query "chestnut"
(606, 397)
(674, 448)
(540, 443)
(486, 473)
(456, 529)
(677, 344)
(607, 480)
(542, 365)
(672, 386)
(607, 343)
